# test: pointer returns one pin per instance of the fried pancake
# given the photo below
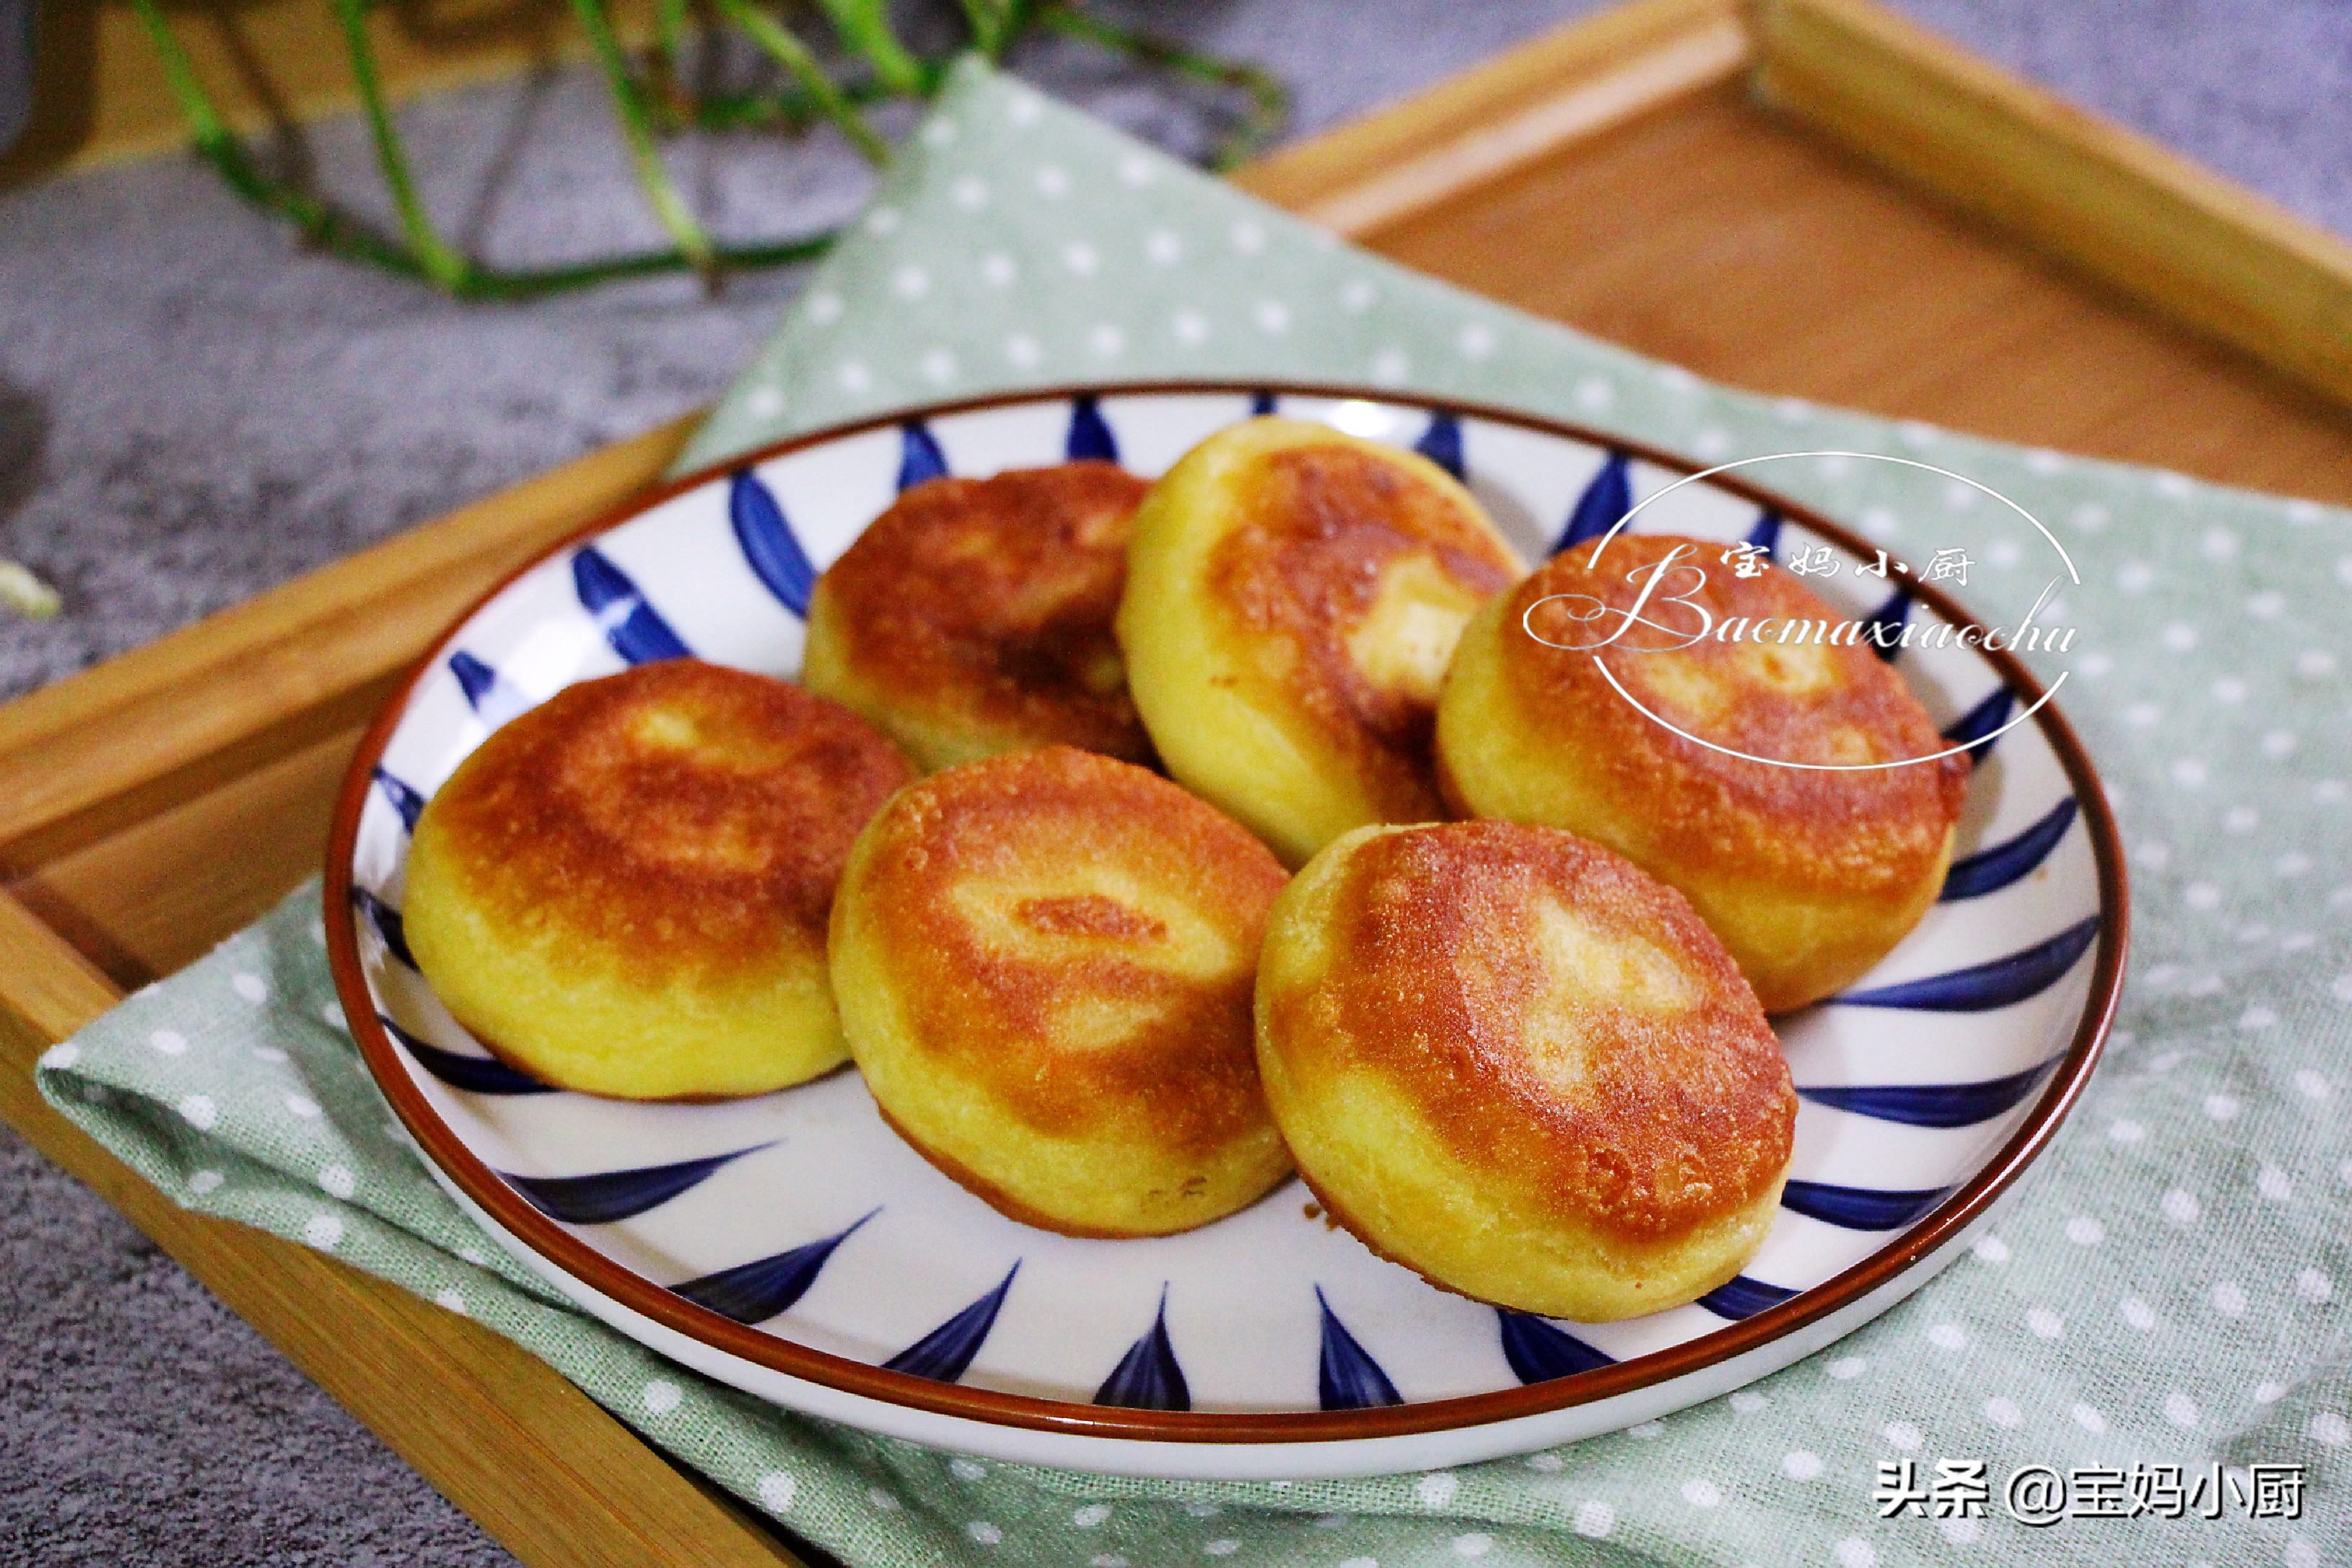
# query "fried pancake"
(1505, 1058)
(1809, 876)
(1293, 597)
(1044, 961)
(973, 616)
(625, 891)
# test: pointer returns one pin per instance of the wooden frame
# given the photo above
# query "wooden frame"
(121, 788)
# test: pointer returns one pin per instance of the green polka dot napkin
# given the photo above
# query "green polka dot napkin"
(2166, 1292)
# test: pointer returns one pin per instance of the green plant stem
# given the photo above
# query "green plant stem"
(441, 264)
(1269, 100)
(637, 130)
(789, 52)
(865, 26)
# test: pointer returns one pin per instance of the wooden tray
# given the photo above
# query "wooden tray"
(1622, 175)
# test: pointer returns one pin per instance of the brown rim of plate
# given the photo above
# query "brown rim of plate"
(1947, 1222)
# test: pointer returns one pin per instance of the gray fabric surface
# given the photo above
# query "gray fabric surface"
(190, 412)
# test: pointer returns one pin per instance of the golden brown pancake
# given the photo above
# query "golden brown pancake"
(1293, 597)
(973, 616)
(1505, 1057)
(625, 891)
(1809, 877)
(1044, 961)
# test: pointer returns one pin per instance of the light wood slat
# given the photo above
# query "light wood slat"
(494, 1430)
(1717, 235)
(117, 744)
(2199, 249)
(1568, 85)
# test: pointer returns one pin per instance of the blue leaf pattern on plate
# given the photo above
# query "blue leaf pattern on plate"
(1990, 870)
(1884, 625)
(1928, 1104)
(1538, 1352)
(767, 541)
(920, 458)
(1090, 436)
(1609, 497)
(405, 800)
(1985, 986)
(1262, 403)
(1974, 728)
(475, 1075)
(1147, 1377)
(633, 626)
(1858, 1208)
(946, 1352)
(387, 923)
(1348, 1377)
(753, 1292)
(1740, 1296)
(1766, 535)
(490, 695)
(1442, 443)
(608, 1195)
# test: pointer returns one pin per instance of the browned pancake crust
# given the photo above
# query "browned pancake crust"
(990, 600)
(679, 820)
(1320, 523)
(1186, 1080)
(1870, 831)
(1674, 1121)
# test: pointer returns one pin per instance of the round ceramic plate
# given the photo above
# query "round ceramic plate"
(793, 1246)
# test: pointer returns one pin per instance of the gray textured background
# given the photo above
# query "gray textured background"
(190, 411)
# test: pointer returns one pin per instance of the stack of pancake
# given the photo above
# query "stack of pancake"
(1524, 1053)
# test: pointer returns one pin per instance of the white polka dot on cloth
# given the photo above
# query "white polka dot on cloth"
(1473, 1545)
(2089, 1420)
(1747, 1402)
(985, 1534)
(1960, 1532)
(250, 986)
(1903, 1436)
(2311, 1285)
(2138, 1313)
(1644, 1431)
(1225, 1547)
(2003, 1412)
(338, 1182)
(998, 271)
(2044, 1323)
(661, 1396)
(2180, 1206)
(1853, 1551)
(58, 1057)
(2181, 1410)
(2274, 1184)
(2331, 1429)
(199, 1111)
(204, 1182)
(1948, 1337)
(1093, 1514)
(883, 1501)
(1993, 1249)
(1547, 1463)
(170, 1042)
(323, 1231)
(2084, 1231)
(450, 1299)
(1846, 1369)
(1800, 1463)
(1437, 1489)
(2311, 1084)
(303, 1106)
(967, 1469)
(777, 1490)
(1595, 1519)
(1701, 1494)
(2228, 1300)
